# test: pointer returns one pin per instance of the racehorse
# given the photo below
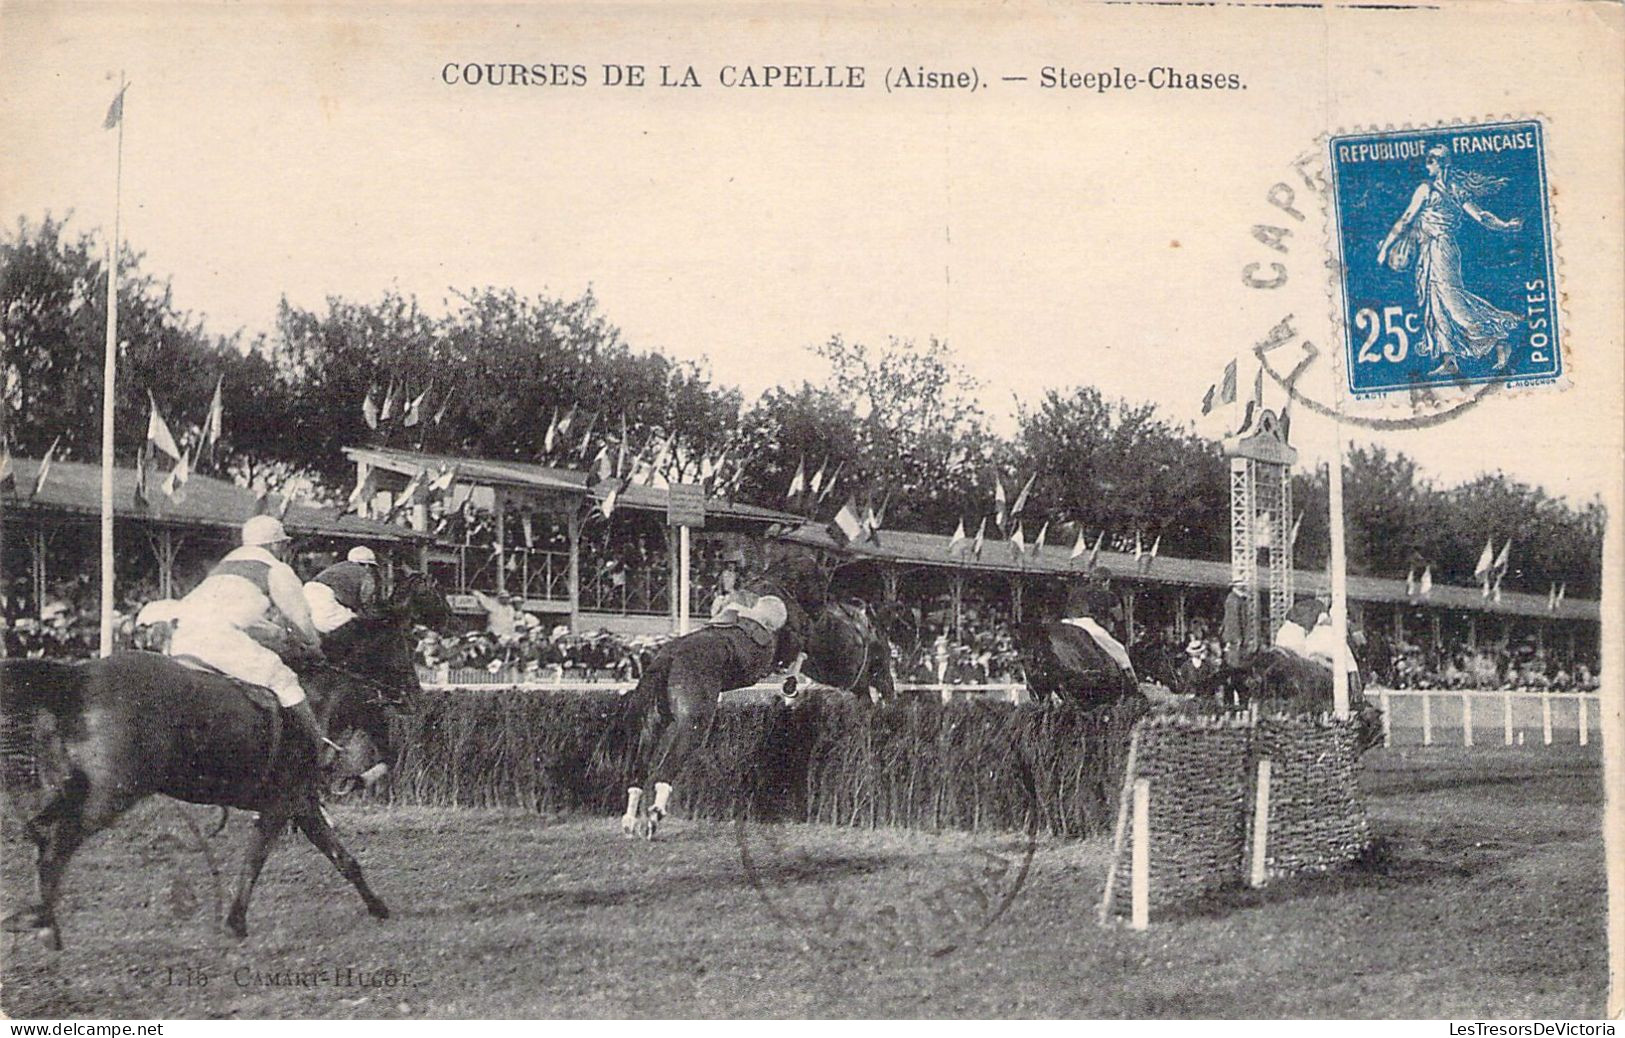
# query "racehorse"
(1062, 660)
(1300, 682)
(137, 723)
(665, 717)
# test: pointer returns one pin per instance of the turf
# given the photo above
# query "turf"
(1484, 897)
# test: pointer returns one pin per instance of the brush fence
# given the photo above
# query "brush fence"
(976, 765)
(1208, 802)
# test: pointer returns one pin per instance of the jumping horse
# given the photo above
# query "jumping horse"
(661, 721)
(136, 724)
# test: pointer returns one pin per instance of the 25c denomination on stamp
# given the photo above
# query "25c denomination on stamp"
(1445, 244)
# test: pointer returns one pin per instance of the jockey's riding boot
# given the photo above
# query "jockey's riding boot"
(305, 720)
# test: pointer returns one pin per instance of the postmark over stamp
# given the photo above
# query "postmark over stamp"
(1444, 238)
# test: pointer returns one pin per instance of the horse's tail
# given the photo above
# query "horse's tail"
(617, 749)
(28, 685)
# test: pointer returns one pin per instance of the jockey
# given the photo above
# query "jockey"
(759, 617)
(344, 590)
(253, 594)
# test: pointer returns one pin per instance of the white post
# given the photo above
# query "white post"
(1261, 822)
(1427, 719)
(1506, 714)
(1387, 720)
(109, 391)
(1546, 719)
(1140, 861)
(1585, 720)
(1340, 604)
(682, 579)
(1466, 719)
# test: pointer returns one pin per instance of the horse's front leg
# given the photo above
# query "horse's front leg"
(268, 825)
(793, 680)
(319, 832)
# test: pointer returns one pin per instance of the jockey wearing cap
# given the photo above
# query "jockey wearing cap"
(252, 594)
(344, 590)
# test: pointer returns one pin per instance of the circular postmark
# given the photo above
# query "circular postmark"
(917, 894)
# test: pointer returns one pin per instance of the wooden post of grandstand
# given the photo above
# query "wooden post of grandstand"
(1585, 720)
(682, 579)
(1466, 719)
(1427, 719)
(1387, 719)
(1546, 719)
(1261, 823)
(500, 504)
(1340, 602)
(1506, 716)
(1140, 863)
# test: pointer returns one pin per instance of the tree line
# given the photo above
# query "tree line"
(897, 424)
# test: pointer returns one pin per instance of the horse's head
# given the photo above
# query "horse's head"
(801, 578)
(372, 675)
(418, 600)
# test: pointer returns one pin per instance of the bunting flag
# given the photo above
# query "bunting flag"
(1486, 560)
(620, 458)
(880, 513)
(1094, 553)
(1499, 570)
(799, 482)
(443, 480)
(1292, 538)
(1221, 392)
(283, 508)
(1285, 422)
(1410, 583)
(440, 412)
(847, 521)
(981, 531)
(366, 486)
(115, 111)
(1038, 542)
(818, 478)
(1425, 587)
(1080, 545)
(958, 538)
(1021, 498)
(175, 483)
(1137, 549)
(143, 493)
(552, 431)
(1562, 589)
(586, 436)
(387, 412)
(567, 421)
(1551, 597)
(528, 530)
(1151, 556)
(369, 409)
(1018, 543)
(607, 505)
(829, 484)
(414, 410)
(158, 431)
(601, 464)
(998, 501)
(44, 469)
(213, 424)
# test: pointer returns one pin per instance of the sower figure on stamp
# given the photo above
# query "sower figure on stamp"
(251, 599)
(344, 591)
(1455, 322)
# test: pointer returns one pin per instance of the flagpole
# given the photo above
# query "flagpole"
(109, 372)
(1340, 604)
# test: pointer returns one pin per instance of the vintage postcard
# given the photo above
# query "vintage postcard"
(587, 511)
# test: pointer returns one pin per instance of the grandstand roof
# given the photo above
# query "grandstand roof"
(529, 475)
(75, 487)
(906, 547)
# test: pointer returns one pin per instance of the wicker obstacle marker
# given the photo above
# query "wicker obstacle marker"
(1232, 800)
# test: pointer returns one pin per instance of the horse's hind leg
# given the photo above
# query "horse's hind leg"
(318, 832)
(267, 827)
(78, 812)
(691, 709)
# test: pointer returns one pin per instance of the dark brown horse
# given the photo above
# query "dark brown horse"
(1063, 661)
(137, 724)
(661, 721)
(1285, 680)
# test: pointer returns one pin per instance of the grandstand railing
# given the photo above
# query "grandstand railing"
(1468, 714)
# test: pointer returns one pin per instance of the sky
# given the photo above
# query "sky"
(1053, 237)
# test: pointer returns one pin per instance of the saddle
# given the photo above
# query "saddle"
(258, 695)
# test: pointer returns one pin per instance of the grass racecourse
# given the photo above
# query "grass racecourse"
(1484, 898)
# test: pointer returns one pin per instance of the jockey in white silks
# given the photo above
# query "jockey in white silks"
(252, 592)
(344, 590)
(1087, 602)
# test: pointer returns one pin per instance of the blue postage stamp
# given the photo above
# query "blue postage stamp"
(1446, 248)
